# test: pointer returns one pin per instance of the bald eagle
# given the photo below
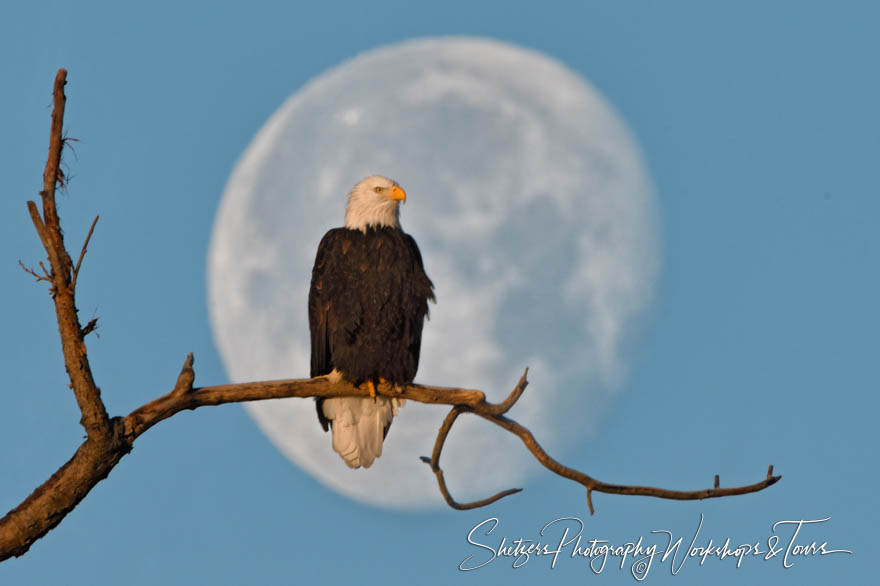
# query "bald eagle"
(367, 304)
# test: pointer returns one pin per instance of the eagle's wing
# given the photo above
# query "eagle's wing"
(421, 289)
(319, 310)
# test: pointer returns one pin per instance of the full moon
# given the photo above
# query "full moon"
(535, 217)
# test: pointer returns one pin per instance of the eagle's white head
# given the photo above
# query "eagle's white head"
(374, 202)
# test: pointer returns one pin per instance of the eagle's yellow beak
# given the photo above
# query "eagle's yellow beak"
(398, 193)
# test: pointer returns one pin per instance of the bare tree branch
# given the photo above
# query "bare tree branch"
(495, 414)
(182, 398)
(88, 397)
(591, 484)
(108, 440)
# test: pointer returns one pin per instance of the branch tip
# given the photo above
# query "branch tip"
(38, 222)
(44, 277)
(505, 405)
(82, 252)
(434, 462)
(90, 327)
(186, 377)
(717, 481)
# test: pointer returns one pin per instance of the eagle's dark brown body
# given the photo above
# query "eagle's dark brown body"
(367, 305)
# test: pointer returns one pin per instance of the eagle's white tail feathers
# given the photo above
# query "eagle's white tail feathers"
(358, 426)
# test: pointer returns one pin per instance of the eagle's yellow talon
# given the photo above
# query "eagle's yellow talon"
(372, 386)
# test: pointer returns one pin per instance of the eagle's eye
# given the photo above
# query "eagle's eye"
(377, 189)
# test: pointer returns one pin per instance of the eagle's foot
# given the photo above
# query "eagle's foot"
(372, 386)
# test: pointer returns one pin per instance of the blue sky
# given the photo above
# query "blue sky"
(759, 126)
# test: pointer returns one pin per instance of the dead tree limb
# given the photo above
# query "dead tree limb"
(88, 396)
(109, 439)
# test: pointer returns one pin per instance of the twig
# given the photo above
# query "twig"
(30, 271)
(505, 405)
(38, 224)
(53, 175)
(90, 327)
(434, 463)
(83, 251)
